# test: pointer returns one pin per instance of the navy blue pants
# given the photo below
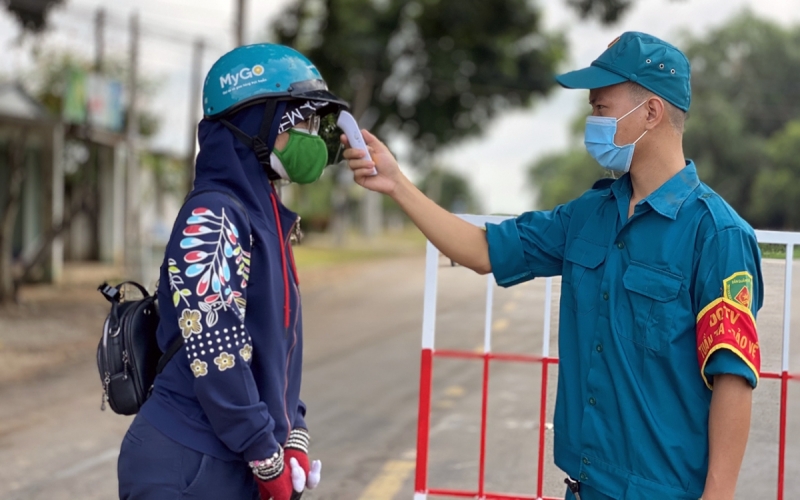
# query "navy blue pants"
(153, 467)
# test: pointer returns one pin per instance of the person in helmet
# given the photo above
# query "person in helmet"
(225, 419)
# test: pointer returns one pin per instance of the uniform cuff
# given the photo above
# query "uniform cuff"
(506, 254)
(726, 362)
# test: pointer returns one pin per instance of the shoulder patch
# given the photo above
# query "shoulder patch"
(738, 287)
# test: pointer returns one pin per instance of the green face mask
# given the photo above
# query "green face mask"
(304, 158)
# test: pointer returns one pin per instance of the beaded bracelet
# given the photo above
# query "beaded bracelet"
(268, 469)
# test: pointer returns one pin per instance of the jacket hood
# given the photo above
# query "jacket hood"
(225, 163)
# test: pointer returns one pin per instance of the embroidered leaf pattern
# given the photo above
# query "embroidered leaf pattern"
(210, 276)
(175, 282)
(212, 240)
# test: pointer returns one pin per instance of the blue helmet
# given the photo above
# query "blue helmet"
(252, 74)
(269, 74)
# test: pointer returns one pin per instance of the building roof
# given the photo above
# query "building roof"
(16, 103)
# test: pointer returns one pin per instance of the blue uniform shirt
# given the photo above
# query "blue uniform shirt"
(652, 307)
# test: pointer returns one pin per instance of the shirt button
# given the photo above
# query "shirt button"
(584, 477)
(592, 401)
(605, 296)
(620, 245)
(586, 461)
(599, 347)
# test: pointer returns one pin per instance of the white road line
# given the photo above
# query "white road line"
(87, 464)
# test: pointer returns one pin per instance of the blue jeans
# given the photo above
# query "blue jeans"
(153, 467)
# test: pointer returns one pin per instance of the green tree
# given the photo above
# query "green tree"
(776, 193)
(744, 86)
(31, 14)
(435, 71)
(561, 177)
(607, 11)
(48, 78)
(450, 190)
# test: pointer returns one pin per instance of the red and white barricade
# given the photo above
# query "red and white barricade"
(423, 490)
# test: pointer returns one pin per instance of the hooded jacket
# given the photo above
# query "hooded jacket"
(228, 285)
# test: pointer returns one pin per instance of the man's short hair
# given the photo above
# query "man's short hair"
(676, 116)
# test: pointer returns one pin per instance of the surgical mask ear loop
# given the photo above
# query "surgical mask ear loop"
(626, 114)
(631, 111)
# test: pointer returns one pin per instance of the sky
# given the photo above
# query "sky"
(495, 163)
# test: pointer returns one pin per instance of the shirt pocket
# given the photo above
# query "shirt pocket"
(653, 295)
(585, 273)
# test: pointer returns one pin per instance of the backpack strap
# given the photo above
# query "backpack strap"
(113, 294)
(171, 351)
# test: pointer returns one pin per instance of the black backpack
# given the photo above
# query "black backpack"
(128, 355)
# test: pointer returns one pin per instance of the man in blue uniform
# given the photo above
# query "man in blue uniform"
(661, 281)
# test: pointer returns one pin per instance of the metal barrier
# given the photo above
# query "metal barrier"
(421, 488)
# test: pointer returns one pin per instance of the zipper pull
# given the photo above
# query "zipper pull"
(125, 365)
(104, 398)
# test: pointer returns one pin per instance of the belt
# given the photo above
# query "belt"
(574, 486)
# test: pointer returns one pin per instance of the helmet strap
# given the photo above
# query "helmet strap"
(264, 142)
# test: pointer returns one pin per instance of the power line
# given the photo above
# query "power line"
(149, 28)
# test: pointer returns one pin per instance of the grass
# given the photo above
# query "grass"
(771, 251)
(319, 250)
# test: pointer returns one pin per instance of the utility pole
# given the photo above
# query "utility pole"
(133, 246)
(99, 39)
(194, 104)
(238, 28)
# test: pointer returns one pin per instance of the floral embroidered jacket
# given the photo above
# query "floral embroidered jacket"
(229, 287)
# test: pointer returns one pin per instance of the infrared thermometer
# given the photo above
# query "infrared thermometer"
(349, 126)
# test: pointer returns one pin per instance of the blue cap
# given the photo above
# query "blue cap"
(639, 58)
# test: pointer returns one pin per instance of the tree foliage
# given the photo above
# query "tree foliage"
(31, 14)
(450, 190)
(776, 191)
(562, 177)
(435, 71)
(47, 80)
(606, 11)
(745, 93)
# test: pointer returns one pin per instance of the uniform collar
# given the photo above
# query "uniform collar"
(667, 199)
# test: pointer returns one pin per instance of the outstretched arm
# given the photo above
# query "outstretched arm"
(459, 240)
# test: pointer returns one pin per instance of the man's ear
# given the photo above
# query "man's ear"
(656, 111)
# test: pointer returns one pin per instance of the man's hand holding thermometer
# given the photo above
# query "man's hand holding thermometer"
(349, 126)
(457, 239)
(373, 165)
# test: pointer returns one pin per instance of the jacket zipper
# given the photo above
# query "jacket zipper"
(286, 378)
(286, 306)
(293, 231)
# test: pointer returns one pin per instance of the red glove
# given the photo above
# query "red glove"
(297, 448)
(273, 477)
(279, 488)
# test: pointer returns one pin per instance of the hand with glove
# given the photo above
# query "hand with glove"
(278, 482)
(304, 475)
(273, 478)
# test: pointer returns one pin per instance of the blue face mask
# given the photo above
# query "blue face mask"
(599, 141)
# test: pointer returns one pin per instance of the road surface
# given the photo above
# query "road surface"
(361, 380)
